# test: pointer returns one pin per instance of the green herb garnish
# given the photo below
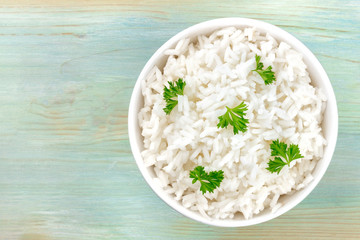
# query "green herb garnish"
(288, 154)
(208, 181)
(267, 75)
(172, 92)
(234, 117)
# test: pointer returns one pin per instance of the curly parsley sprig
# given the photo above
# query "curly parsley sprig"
(280, 149)
(267, 75)
(172, 92)
(208, 181)
(234, 117)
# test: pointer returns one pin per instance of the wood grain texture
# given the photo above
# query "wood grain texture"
(67, 70)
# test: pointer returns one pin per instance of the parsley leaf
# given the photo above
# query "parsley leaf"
(288, 154)
(208, 181)
(172, 92)
(276, 165)
(234, 117)
(267, 75)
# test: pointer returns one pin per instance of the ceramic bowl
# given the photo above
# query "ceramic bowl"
(319, 79)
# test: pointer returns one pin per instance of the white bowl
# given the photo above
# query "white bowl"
(319, 79)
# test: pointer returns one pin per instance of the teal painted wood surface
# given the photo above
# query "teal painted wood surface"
(66, 74)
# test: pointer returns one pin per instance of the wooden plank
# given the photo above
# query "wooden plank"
(67, 72)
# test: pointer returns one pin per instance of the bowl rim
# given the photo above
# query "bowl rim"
(222, 23)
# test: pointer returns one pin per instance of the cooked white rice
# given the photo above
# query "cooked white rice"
(217, 72)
